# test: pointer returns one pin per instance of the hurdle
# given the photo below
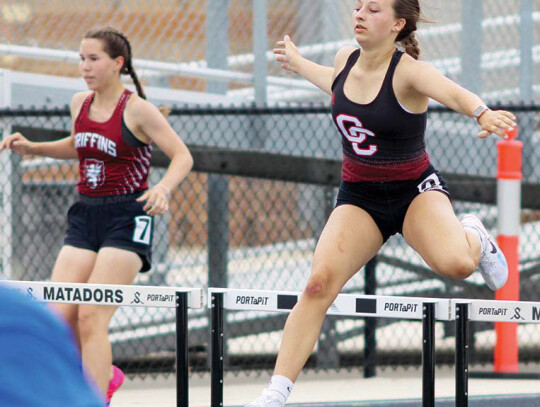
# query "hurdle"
(132, 296)
(428, 310)
(483, 310)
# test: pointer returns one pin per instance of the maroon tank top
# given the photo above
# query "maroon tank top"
(108, 165)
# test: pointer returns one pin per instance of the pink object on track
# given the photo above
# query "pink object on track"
(115, 383)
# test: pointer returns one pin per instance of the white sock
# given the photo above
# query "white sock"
(280, 387)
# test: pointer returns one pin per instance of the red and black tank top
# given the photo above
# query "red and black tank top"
(112, 161)
(381, 140)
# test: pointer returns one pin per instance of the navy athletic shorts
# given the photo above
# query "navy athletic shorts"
(111, 221)
(387, 202)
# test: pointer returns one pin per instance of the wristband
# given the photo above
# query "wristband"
(479, 111)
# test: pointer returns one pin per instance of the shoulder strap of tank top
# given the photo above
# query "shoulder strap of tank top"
(350, 63)
(119, 110)
(83, 112)
(123, 99)
(392, 68)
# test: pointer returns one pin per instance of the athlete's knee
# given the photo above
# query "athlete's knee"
(69, 312)
(88, 321)
(315, 288)
(457, 267)
(72, 321)
(318, 285)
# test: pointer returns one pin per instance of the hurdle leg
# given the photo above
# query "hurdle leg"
(216, 372)
(370, 324)
(428, 355)
(462, 354)
(182, 370)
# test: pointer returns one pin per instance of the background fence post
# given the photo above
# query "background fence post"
(6, 187)
(526, 41)
(217, 53)
(471, 45)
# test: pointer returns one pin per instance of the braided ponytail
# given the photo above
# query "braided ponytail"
(409, 10)
(410, 43)
(135, 80)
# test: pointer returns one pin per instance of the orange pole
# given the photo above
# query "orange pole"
(506, 356)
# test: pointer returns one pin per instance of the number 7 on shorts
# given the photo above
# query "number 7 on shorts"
(143, 229)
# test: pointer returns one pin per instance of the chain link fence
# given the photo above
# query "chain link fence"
(249, 215)
(491, 46)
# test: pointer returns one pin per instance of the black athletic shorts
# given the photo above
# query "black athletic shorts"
(111, 221)
(387, 202)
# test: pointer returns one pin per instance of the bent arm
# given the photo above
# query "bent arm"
(156, 127)
(63, 149)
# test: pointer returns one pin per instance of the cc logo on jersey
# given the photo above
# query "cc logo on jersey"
(356, 134)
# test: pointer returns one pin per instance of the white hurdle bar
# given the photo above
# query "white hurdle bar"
(132, 296)
(428, 310)
(522, 312)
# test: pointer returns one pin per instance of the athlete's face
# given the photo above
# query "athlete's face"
(374, 21)
(97, 68)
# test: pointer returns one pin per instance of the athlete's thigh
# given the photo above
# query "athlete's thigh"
(113, 266)
(73, 265)
(349, 240)
(432, 228)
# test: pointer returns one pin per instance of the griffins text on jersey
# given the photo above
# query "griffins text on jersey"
(97, 141)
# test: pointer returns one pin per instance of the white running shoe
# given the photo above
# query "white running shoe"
(266, 400)
(493, 265)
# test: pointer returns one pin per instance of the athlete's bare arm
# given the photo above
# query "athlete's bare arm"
(425, 79)
(62, 149)
(291, 60)
(148, 124)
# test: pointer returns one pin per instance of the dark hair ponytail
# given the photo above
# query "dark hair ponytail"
(410, 43)
(116, 44)
(410, 11)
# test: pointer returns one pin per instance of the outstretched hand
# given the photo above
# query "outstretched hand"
(157, 200)
(18, 143)
(287, 54)
(496, 121)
